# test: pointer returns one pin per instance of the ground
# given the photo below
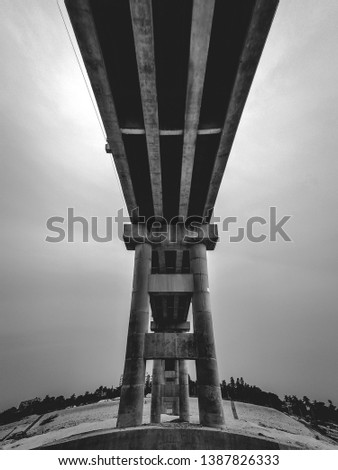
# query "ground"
(241, 418)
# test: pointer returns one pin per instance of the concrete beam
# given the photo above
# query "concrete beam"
(262, 18)
(202, 15)
(84, 28)
(172, 237)
(171, 284)
(170, 346)
(170, 374)
(171, 132)
(171, 327)
(142, 22)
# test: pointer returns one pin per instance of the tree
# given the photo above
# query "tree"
(306, 401)
(9, 416)
(192, 387)
(224, 390)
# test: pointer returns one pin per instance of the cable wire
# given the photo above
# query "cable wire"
(92, 100)
(82, 73)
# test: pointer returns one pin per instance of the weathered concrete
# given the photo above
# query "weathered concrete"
(156, 392)
(176, 404)
(170, 283)
(170, 346)
(170, 327)
(163, 438)
(184, 390)
(171, 388)
(132, 392)
(209, 393)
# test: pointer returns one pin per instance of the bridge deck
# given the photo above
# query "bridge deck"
(171, 78)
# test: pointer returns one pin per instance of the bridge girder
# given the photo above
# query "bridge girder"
(171, 79)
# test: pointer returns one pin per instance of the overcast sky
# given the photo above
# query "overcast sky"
(65, 306)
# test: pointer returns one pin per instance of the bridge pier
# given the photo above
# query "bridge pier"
(184, 390)
(176, 400)
(209, 393)
(169, 346)
(132, 392)
(156, 391)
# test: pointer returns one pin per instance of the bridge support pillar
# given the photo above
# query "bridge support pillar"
(176, 401)
(132, 392)
(209, 393)
(156, 391)
(184, 390)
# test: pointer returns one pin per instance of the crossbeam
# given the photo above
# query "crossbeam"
(170, 346)
(171, 132)
(171, 284)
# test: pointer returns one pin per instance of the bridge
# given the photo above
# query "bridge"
(170, 78)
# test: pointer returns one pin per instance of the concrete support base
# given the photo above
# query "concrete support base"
(159, 438)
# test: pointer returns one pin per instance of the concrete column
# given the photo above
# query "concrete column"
(132, 392)
(176, 401)
(209, 392)
(157, 391)
(184, 390)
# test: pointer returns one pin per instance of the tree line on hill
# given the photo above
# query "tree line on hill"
(48, 404)
(237, 390)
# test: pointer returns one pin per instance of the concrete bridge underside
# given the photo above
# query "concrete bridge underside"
(171, 79)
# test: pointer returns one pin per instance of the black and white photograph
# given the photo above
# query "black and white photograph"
(168, 255)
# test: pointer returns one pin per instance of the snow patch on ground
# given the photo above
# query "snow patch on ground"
(252, 420)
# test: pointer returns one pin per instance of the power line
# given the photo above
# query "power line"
(91, 98)
(82, 73)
